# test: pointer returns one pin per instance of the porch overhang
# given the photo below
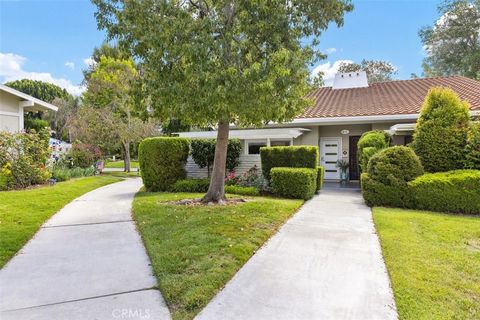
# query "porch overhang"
(401, 129)
(249, 134)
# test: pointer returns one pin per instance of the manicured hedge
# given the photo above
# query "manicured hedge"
(455, 191)
(190, 185)
(320, 175)
(292, 157)
(162, 161)
(246, 191)
(389, 170)
(299, 183)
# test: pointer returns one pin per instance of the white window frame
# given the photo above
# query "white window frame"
(267, 141)
(248, 142)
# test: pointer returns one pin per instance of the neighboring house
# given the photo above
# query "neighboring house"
(339, 116)
(13, 105)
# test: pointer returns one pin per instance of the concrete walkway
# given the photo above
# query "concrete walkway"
(87, 262)
(324, 263)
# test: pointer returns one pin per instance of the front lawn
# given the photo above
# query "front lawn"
(195, 250)
(434, 262)
(120, 164)
(23, 212)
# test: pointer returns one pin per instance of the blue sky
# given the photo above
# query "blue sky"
(52, 39)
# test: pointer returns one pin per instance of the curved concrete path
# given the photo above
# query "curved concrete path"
(86, 262)
(324, 263)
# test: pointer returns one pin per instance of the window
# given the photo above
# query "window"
(254, 147)
(280, 143)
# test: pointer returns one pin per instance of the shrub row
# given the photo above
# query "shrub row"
(245, 191)
(162, 161)
(201, 185)
(190, 185)
(394, 178)
(63, 174)
(292, 157)
(453, 191)
(300, 183)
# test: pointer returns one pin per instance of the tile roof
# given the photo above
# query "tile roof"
(387, 98)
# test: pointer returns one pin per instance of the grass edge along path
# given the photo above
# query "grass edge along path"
(433, 260)
(22, 212)
(196, 250)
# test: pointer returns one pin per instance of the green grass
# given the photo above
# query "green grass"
(434, 262)
(22, 212)
(196, 250)
(119, 164)
(121, 174)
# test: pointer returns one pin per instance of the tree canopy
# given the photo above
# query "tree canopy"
(377, 70)
(222, 62)
(111, 88)
(44, 91)
(453, 43)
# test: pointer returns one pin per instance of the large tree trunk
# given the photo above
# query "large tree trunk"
(126, 161)
(216, 190)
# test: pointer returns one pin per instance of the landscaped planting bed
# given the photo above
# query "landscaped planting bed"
(195, 249)
(433, 260)
(23, 212)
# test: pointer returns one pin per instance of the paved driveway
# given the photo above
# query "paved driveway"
(86, 262)
(324, 263)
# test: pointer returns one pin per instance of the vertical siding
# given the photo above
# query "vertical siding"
(246, 162)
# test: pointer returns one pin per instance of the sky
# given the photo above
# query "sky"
(52, 40)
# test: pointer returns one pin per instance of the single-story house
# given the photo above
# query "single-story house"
(13, 105)
(339, 116)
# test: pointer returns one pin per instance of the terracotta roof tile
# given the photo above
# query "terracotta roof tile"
(387, 98)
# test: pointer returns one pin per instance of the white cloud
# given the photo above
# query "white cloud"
(89, 62)
(11, 70)
(328, 69)
(331, 50)
(70, 65)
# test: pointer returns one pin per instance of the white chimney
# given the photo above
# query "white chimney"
(347, 80)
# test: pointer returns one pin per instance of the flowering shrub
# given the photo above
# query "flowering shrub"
(23, 157)
(84, 155)
(232, 179)
(251, 178)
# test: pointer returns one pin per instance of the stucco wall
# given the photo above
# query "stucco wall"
(335, 131)
(10, 116)
(308, 138)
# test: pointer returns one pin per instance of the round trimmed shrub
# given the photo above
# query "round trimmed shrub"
(389, 170)
(473, 147)
(394, 164)
(370, 143)
(162, 161)
(440, 136)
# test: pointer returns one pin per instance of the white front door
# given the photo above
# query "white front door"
(330, 149)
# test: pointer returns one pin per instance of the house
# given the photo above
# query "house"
(13, 105)
(341, 113)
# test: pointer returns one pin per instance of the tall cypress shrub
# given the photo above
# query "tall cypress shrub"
(440, 136)
(369, 144)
